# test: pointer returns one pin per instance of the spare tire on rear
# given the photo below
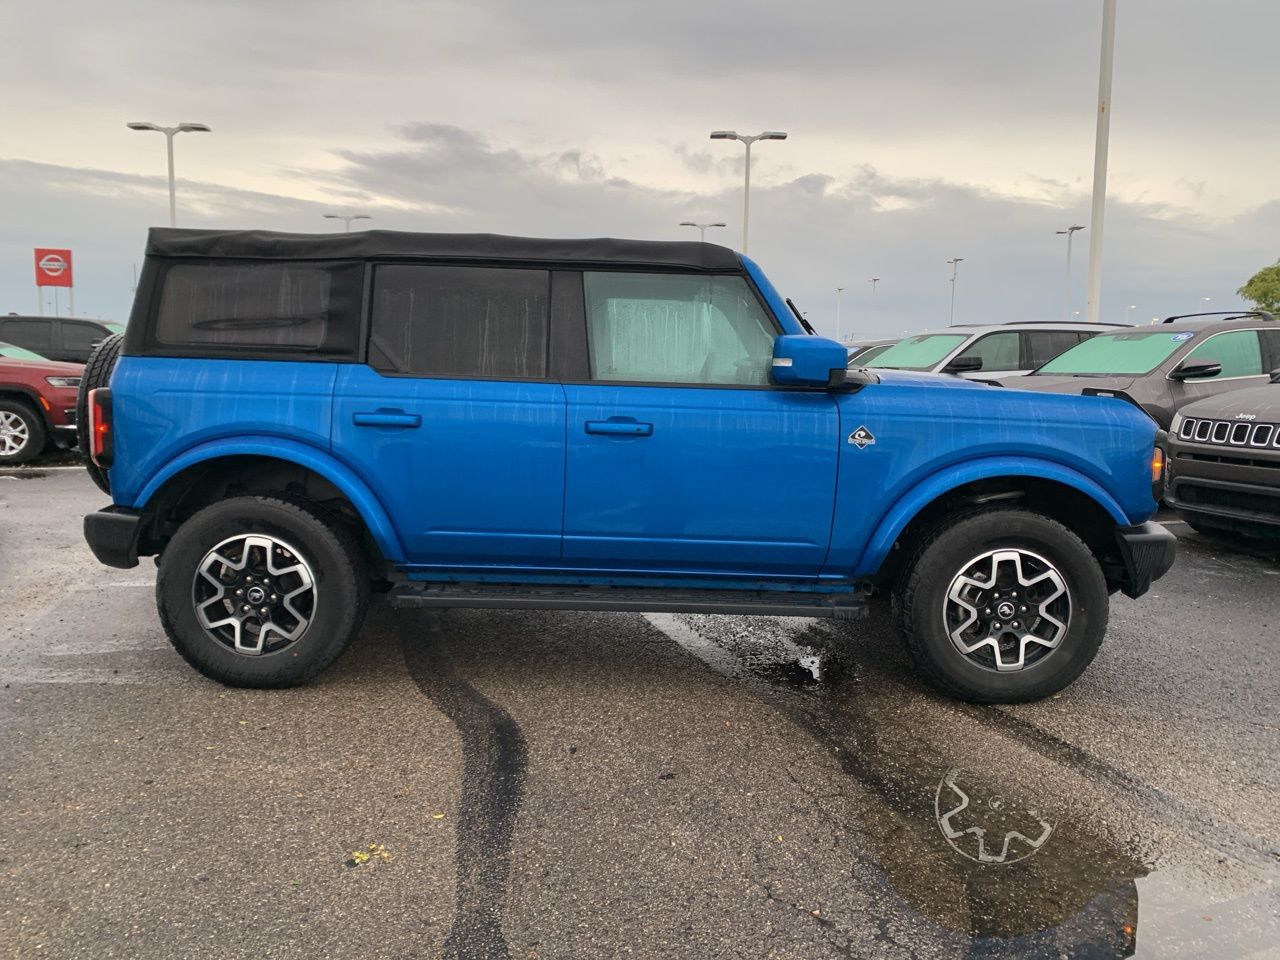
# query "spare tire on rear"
(97, 373)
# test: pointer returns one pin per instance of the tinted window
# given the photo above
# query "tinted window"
(80, 337)
(257, 306)
(1043, 345)
(460, 321)
(654, 328)
(998, 351)
(35, 335)
(1271, 343)
(1239, 352)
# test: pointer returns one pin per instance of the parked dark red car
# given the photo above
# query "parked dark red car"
(37, 404)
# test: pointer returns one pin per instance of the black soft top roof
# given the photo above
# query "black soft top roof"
(395, 244)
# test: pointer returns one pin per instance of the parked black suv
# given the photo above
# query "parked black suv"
(57, 338)
(1224, 462)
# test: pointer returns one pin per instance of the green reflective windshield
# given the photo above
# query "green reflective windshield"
(114, 327)
(18, 353)
(1117, 354)
(918, 353)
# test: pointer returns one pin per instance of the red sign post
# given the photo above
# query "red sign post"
(53, 269)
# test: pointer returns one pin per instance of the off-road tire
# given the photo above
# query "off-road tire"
(334, 556)
(920, 599)
(37, 435)
(97, 373)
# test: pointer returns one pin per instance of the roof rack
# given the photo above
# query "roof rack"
(1232, 314)
(1091, 323)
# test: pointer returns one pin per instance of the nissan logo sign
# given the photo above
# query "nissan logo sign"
(53, 265)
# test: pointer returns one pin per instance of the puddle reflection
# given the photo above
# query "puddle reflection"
(1010, 868)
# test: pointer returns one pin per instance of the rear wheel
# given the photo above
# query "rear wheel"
(97, 373)
(261, 592)
(1003, 606)
(22, 433)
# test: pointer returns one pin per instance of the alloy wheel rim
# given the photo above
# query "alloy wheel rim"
(14, 434)
(1007, 609)
(254, 594)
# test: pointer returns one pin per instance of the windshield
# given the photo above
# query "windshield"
(114, 327)
(18, 353)
(863, 357)
(1117, 354)
(917, 353)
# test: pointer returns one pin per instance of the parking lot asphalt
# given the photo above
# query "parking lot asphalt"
(480, 784)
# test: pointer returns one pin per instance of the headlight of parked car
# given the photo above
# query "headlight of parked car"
(67, 382)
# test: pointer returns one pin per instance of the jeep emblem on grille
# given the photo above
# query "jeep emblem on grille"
(1246, 416)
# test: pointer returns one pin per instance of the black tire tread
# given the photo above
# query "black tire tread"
(904, 597)
(97, 373)
(346, 542)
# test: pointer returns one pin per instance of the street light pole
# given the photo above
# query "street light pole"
(169, 134)
(746, 185)
(1128, 314)
(346, 218)
(839, 295)
(1101, 139)
(702, 227)
(1066, 293)
(955, 268)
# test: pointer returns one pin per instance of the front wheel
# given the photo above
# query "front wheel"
(22, 434)
(261, 592)
(1003, 606)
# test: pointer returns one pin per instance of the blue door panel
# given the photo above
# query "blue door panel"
(471, 471)
(680, 479)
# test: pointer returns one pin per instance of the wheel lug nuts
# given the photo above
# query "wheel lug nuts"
(245, 608)
(274, 598)
(996, 625)
(1014, 624)
(239, 593)
(1022, 609)
(264, 611)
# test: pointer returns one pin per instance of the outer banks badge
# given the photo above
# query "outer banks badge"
(862, 438)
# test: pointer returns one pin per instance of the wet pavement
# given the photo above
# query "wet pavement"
(479, 784)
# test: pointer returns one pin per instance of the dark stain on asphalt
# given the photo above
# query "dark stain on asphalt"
(494, 761)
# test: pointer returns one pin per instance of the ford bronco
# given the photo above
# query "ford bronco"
(295, 421)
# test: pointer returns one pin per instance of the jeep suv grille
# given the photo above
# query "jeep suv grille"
(1230, 433)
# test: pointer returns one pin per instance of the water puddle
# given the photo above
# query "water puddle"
(1000, 849)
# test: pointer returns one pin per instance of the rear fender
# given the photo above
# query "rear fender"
(341, 476)
(988, 468)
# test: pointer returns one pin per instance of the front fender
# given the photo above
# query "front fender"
(311, 458)
(935, 485)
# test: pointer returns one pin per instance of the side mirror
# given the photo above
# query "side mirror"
(800, 360)
(1196, 370)
(963, 365)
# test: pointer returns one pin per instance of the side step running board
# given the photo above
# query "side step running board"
(761, 603)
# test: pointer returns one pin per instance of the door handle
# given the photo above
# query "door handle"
(620, 427)
(386, 418)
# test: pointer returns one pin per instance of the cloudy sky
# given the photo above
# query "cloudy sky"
(919, 130)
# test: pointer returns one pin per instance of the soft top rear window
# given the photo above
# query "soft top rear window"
(310, 308)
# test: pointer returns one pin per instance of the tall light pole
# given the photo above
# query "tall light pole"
(1128, 314)
(346, 218)
(1101, 138)
(1066, 292)
(1205, 301)
(746, 186)
(839, 295)
(955, 268)
(169, 134)
(702, 227)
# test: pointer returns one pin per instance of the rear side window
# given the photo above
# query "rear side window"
(1043, 345)
(35, 335)
(235, 308)
(446, 321)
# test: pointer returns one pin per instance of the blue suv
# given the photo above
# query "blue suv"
(292, 422)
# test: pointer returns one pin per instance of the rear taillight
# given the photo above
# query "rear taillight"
(101, 445)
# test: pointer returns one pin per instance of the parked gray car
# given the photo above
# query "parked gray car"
(1164, 367)
(985, 351)
(1224, 462)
